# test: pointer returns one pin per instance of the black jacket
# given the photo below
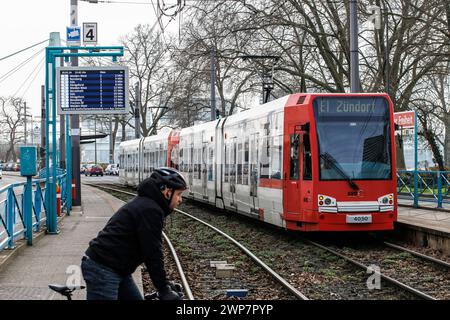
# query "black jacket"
(133, 236)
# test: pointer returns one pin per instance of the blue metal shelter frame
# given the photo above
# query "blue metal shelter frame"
(51, 53)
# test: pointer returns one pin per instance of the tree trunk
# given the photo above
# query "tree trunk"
(447, 140)
(429, 135)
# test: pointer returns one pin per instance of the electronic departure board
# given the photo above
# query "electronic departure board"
(92, 90)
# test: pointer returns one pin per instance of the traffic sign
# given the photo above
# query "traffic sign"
(92, 90)
(90, 33)
(73, 36)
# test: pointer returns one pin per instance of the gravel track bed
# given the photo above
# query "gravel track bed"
(422, 275)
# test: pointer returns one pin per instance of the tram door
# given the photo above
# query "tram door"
(204, 170)
(254, 156)
(292, 184)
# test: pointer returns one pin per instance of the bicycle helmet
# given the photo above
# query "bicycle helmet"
(171, 178)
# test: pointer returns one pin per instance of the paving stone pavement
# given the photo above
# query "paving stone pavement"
(27, 275)
(425, 216)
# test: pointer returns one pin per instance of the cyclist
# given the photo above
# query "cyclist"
(131, 237)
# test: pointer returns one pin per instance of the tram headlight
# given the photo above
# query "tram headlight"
(326, 200)
(386, 200)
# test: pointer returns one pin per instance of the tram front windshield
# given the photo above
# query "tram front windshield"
(353, 135)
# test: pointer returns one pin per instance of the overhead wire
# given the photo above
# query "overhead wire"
(22, 50)
(32, 80)
(20, 66)
(29, 76)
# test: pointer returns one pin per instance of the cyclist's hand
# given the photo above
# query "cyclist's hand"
(168, 294)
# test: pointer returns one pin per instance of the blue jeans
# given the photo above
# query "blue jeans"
(103, 283)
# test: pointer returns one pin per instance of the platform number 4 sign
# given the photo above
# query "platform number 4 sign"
(90, 33)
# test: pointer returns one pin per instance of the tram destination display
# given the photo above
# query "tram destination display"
(92, 90)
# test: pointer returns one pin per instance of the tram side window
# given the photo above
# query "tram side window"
(210, 164)
(245, 165)
(276, 158)
(227, 168)
(239, 163)
(294, 170)
(199, 162)
(307, 167)
(191, 159)
(264, 164)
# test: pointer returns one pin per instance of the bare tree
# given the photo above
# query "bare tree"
(11, 120)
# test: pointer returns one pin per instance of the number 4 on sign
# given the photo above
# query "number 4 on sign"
(90, 32)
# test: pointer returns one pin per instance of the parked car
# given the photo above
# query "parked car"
(1, 172)
(16, 167)
(83, 168)
(112, 170)
(94, 170)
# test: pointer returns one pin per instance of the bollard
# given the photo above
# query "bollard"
(73, 189)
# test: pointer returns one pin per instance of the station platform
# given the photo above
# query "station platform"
(25, 275)
(426, 226)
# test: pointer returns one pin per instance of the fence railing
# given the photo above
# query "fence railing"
(432, 186)
(13, 208)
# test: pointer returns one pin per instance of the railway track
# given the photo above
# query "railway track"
(280, 280)
(416, 270)
(363, 265)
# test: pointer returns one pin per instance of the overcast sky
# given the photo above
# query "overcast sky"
(26, 22)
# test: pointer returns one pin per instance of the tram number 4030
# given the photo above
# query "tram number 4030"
(364, 218)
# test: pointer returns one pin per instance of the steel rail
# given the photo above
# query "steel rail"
(186, 286)
(275, 275)
(383, 276)
(418, 254)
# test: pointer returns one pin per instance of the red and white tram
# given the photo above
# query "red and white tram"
(308, 162)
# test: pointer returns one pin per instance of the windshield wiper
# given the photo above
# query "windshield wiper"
(329, 159)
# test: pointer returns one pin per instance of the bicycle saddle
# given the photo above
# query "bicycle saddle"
(64, 290)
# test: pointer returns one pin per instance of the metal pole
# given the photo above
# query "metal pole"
(32, 130)
(75, 120)
(95, 139)
(52, 222)
(416, 175)
(62, 134)
(136, 111)
(213, 83)
(25, 121)
(28, 205)
(124, 133)
(111, 145)
(43, 142)
(354, 60)
(68, 168)
(386, 51)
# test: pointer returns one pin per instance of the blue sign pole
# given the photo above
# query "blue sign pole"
(50, 120)
(28, 211)
(416, 175)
